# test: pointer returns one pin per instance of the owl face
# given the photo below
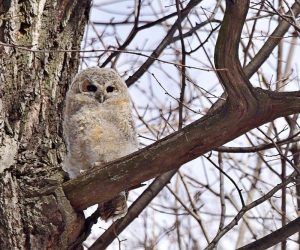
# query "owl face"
(98, 91)
(100, 85)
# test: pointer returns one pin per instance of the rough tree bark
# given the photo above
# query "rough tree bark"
(32, 90)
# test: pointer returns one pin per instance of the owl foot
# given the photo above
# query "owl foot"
(115, 208)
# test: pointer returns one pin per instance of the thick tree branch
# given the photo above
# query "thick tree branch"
(172, 151)
(246, 109)
(237, 85)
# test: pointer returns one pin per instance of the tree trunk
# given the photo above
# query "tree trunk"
(33, 84)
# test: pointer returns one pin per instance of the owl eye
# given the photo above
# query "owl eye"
(88, 87)
(91, 88)
(110, 89)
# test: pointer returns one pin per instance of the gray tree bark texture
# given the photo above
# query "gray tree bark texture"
(32, 89)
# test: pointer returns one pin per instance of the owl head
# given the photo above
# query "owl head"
(97, 86)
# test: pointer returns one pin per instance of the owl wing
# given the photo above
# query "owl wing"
(115, 208)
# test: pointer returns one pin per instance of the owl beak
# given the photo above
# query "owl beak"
(100, 98)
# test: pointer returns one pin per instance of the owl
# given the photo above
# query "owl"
(98, 127)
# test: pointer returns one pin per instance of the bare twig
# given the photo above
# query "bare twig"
(246, 208)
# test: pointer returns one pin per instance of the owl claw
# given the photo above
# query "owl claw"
(115, 208)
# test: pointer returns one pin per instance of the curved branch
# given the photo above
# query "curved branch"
(267, 48)
(233, 78)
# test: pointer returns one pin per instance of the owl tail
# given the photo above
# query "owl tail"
(115, 208)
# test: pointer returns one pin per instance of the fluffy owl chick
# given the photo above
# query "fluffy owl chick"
(98, 127)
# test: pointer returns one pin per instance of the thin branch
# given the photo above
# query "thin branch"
(228, 176)
(183, 71)
(258, 148)
(131, 35)
(133, 52)
(194, 209)
(164, 43)
(271, 43)
(222, 194)
(280, 152)
(275, 237)
(246, 208)
(190, 211)
(134, 210)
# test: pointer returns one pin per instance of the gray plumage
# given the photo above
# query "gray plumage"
(98, 127)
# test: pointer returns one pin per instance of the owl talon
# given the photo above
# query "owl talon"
(115, 208)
